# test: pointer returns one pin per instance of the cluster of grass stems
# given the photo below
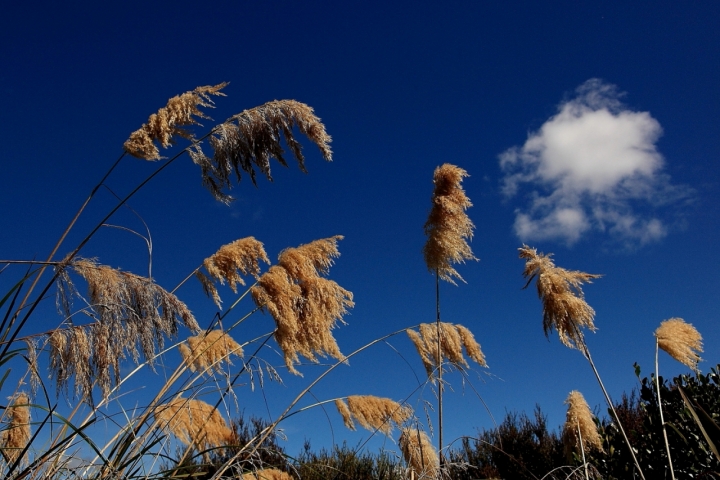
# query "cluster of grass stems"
(132, 319)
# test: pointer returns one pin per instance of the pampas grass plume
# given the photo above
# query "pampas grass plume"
(420, 455)
(373, 413)
(453, 339)
(560, 291)
(267, 474)
(194, 422)
(579, 417)
(16, 435)
(681, 341)
(448, 227)
(207, 351)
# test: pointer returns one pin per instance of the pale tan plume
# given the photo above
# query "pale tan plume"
(373, 413)
(305, 305)
(560, 291)
(230, 263)
(250, 139)
(207, 351)
(681, 341)
(16, 433)
(579, 426)
(419, 454)
(166, 124)
(267, 474)
(448, 227)
(453, 339)
(194, 422)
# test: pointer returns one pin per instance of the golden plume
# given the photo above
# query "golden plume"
(563, 301)
(448, 227)
(162, 126)
(681, 341)
(267, 474)
(305, 305)
(579, 426)
(194, 422)
(206, 351)
(373, 413)
(241, 257)
(453, 339)
(419, 454)
(16, 435)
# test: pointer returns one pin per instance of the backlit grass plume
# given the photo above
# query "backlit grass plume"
(130, 311)
(230, 263)
(681, 341)
(162, 126)
(563, 302)
(453, 339)
(207, 351)
(448, 227)
(419, 454)
(373, 413)
(579, 426)
(194, 422)
(267, 474)
(305, 305)
(250, 139)
(16, 431)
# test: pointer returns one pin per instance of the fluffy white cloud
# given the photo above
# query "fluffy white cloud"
(591, 166)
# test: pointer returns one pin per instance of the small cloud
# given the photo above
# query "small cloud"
(593, 166)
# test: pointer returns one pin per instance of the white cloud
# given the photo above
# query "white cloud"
(590, 167)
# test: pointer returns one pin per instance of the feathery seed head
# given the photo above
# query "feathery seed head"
(267, 474)
(166, 124)
(251, 138)
(419, 454)
(563, 301)
(241, 257)
(16, 434)
(206, 351)
(344, 411)
(305, 305)
(453, 339)
(448, 227)
(681, 341)
(373, 413)
(194, 422)
(579, 417)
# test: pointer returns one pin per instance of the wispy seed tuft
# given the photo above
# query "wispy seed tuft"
(453, 339)
(681, 341)
(194, 422)
(207, 351)
(16, 433)
(563, 301)
(579, 417)
(448, 227)
(373, 413)
(267, 474)
(420, 455)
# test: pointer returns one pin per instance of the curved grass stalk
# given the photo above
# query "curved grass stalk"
(662, 419)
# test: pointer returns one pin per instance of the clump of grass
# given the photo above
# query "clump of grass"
(452, 339)
(230, 263)
(207, 350)
(305, 305)
(419, 454)
(194, 422)
(162, 126)
(373, 413)
(267, 474)
(16, 435)
(448, 227)
(560, 291)
(580, 433)
(681, 341)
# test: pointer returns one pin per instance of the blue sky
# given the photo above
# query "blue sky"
(588, 130)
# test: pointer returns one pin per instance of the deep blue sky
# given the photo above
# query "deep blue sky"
(402, 87)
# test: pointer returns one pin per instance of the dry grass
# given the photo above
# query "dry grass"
(267, 474)
(681, 341)
(130, 310)
(305, 305)
(420, 455)
(579, 417)
(16, 434)
(194, 423)
(564, 305)
(373, 413)
(206, 351)
(251, 138)
(230, 263)
(453, 339)
(448, 227)
(162, 126)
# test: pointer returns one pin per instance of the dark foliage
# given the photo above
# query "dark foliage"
(344, 463)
